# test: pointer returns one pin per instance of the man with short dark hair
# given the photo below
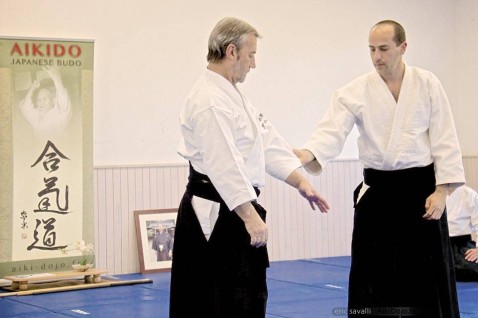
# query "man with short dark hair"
(401, 259)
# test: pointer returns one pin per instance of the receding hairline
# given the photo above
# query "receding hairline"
(399, 35)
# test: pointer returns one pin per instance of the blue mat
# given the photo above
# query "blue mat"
(308, 273)
(467, 298)
(342, 261)
(307, 288)
(13, 308)
(295, 300)
(152, 304)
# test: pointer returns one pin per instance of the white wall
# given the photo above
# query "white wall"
(466, 75)
(148, 53)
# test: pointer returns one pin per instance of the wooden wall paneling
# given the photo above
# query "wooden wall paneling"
(119, 253)
(126, 234)
(131, 193)
(101, 219)
(471, 171)
(295, 230)
(110, 220)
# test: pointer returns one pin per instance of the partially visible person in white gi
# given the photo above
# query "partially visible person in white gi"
(220, 255)
(462, 210)
(47, 109)
(401, 256)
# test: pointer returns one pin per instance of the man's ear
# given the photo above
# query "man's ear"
(404, 47)
(231, 51)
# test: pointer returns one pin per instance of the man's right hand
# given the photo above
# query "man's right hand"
(256, 228)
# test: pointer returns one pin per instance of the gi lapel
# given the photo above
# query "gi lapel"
(402, 107)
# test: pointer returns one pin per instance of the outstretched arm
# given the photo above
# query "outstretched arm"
(304, 155)
(308, 161)
(298, 181)
(257, 229)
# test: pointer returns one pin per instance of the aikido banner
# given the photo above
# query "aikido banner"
(46, 164)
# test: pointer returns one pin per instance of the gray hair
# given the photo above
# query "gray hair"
(228, 31)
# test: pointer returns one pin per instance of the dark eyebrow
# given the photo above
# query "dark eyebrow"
(380, 46)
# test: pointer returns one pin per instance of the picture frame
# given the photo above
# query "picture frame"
(155, 237)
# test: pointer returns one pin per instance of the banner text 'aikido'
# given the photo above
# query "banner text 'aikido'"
(46, 100)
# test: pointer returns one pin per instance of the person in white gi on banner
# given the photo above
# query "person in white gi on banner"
(220, 256)
(401, 258)
(47, 109)
(462, 212)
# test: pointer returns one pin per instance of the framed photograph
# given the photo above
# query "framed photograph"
(155, 236)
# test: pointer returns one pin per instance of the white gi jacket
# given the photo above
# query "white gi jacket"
(227, 139)
(462, 212)
(413, 132)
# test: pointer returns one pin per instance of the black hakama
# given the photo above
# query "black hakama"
(224, 277)
(402, 264)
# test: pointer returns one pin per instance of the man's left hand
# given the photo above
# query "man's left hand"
(435, 203)
(314, 198)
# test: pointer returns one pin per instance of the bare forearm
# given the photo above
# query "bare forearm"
(294, 179)
(245, 211)
(298, 181)
(256, 228)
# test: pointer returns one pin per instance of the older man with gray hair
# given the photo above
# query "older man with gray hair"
(220, 256)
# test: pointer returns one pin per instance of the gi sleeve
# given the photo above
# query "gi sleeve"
(328, 139)
(444, 144)
(63, 104)
(279, 158)
(223, 162)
